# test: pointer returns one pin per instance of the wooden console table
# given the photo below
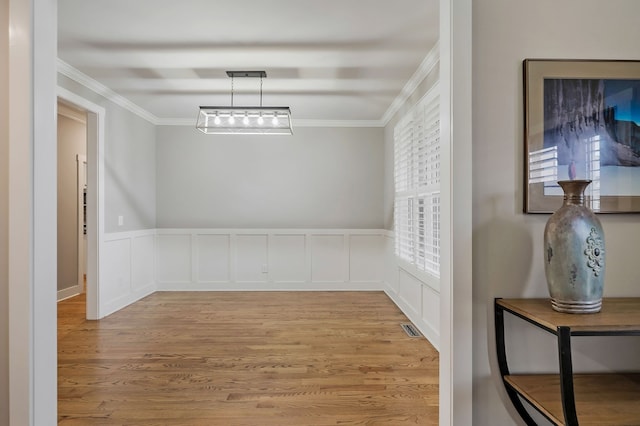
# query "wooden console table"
(567, 398)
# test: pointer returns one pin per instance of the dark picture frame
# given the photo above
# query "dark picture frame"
(582, 121)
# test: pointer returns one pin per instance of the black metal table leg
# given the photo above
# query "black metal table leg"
(566, 377)
(504, 367)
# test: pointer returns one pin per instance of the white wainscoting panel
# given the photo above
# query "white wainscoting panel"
(328, 264)
(391, 271)
(287, 258)
(117, 270)
(416, 294)
(174, 256)
(128, 269)
(431, 308)
(410, 292)
(143, 262)
(269, 259)
(252, 263)
(364, 250)
(213, 258)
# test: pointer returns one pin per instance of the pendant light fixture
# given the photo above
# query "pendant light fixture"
(247, 120)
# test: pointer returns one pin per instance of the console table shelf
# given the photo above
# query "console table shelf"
(565, 398)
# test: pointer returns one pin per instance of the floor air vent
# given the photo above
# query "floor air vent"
(411, 330)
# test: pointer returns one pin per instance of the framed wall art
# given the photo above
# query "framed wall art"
(582, 121)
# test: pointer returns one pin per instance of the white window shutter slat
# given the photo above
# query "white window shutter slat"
(417, 185)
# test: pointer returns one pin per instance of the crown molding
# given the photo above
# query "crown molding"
(177, 122)
(427, 65)
(102, 90)
(338, 123)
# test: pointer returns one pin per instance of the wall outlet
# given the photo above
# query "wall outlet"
(120, 220)
(265, 268)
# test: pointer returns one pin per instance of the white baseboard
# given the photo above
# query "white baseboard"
(128, 299)
(69, 292)
(271, 286)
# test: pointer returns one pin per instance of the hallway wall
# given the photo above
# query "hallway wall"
(507, 244)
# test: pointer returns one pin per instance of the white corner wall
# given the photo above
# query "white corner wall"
(507, 244)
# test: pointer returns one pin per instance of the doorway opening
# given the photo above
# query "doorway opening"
(71, 197)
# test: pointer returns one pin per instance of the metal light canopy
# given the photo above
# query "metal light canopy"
(251, 120)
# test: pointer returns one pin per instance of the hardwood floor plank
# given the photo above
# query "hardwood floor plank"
(245, 358)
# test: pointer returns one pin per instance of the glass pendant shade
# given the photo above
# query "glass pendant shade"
(244, 120)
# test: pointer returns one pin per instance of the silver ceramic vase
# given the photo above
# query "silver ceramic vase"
(574, 253)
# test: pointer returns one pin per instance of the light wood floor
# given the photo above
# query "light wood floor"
(245, 358)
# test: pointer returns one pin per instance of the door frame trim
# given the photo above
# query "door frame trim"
(95, 195)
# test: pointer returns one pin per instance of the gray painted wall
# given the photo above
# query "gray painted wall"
(72, 140)
(317, 178)
(130, 173)
(4, 214)
(507, 244)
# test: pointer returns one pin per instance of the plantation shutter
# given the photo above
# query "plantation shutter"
(417, 185)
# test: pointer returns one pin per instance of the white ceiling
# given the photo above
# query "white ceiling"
(327, 60)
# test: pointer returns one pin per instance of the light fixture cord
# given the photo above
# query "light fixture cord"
(232, 91)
